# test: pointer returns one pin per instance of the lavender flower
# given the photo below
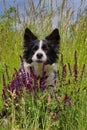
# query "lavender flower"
(31, 83)
(22, 79)
(67, 99)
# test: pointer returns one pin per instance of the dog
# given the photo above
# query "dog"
(37, 52)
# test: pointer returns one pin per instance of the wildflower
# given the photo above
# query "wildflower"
(22, 79)
(67, 99)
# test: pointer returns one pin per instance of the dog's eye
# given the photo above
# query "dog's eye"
(35, 48)
(44, 47)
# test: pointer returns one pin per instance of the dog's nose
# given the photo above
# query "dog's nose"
(39, 55)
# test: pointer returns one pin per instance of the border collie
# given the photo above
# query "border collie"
(37, 52)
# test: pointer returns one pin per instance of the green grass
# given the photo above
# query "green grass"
(46, 113)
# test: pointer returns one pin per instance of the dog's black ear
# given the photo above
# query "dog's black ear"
(54, 35)
(54, 39)
(28, 37)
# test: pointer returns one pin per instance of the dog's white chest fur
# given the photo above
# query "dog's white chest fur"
(50, 71)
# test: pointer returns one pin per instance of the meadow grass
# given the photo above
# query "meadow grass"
(68, 110)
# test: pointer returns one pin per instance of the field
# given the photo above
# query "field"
(39, 111)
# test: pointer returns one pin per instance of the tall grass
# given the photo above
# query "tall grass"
(68, 110)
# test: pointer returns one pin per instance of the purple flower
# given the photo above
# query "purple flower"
(67, 99)
(75, 72)
(22, 79)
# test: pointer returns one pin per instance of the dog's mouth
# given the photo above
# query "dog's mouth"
(40, 61)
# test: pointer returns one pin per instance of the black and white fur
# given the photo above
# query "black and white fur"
(37, 52)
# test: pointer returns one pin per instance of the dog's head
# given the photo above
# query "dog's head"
(41, 50)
